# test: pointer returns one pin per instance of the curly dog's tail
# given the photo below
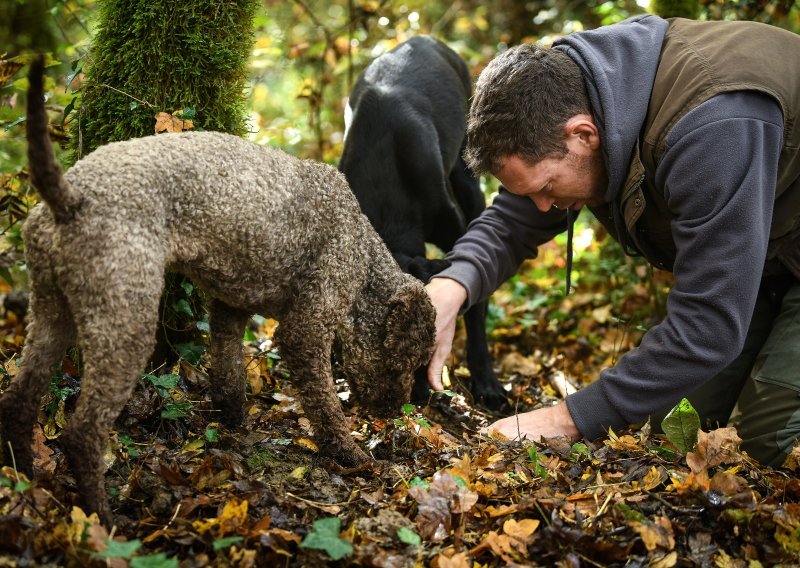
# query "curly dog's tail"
(46, 174)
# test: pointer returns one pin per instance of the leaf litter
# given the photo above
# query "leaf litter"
(188, 491)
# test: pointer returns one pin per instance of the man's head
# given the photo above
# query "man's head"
(522, 102)
(530, 124)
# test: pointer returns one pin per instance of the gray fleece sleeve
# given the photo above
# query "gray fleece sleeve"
(718, 173)
(496, 243)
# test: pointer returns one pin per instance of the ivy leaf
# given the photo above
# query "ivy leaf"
(408, 536)
(222, 543)
(159, 560)
(190, 352)
(188, 287)
(164, 381)
(174, 411)
(325, 536)
(117, 549)
(681, 426)
(183, 306)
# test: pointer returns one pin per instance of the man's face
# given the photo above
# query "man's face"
(572, 181)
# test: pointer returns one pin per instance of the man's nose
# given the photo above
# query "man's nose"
(543, 204)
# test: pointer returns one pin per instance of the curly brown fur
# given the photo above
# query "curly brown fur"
(261, 231)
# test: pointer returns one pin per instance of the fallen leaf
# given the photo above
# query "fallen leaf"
(171, 123)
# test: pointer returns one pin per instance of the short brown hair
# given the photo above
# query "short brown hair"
(522, 101)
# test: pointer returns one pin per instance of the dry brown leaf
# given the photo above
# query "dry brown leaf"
(521, 530)
(438, 502)
(41, 452)
(254, 376)
(792, 461)
(458, 560)
(8, 69)
(655, 535)
(667, 561)
(166, 122)
(624, 443)
(714, 448)
(516, 363)
(501, 511)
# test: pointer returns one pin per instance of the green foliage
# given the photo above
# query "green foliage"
(577, 450)
(325, 536)
(117, 549)
(176, 410)
(676, 8)
(24, 26)
(539, 469)
(223, 543)
(211, 434)
(408, 536)
(126, 551)
(681, 426)
(159, 56)
(159, 560)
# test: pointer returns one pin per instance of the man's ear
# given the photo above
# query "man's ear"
(581, 133)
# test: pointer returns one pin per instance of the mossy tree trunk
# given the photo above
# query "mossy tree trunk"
(151, 56)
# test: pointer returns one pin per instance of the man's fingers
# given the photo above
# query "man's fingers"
(435, 371)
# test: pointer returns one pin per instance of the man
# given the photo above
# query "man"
(682, 138)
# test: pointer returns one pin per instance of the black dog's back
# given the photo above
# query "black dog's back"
(403, 159)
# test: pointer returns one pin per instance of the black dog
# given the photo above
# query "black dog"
(403, 159)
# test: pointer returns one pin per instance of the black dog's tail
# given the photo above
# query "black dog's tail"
(46, 174)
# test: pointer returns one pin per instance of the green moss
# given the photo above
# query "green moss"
(260, 459)
(151, 56)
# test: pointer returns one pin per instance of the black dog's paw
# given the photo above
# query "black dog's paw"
(489, 393)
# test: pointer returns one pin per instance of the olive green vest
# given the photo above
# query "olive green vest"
(700, 60)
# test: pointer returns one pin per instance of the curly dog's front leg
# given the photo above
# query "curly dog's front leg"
(307, 352)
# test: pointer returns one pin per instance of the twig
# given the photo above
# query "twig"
(175, 514)
(126, 94)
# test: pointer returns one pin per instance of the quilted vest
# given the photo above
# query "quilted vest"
(700, 60)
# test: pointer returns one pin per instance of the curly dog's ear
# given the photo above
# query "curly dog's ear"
(410, 327)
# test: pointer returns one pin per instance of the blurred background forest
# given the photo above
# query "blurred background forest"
(300, 60)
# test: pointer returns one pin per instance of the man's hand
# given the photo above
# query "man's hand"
(547, 422)
(447, 296)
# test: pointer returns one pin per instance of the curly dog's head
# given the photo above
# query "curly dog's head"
(385, 349)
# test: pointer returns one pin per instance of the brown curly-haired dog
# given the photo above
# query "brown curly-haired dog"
(260, 231)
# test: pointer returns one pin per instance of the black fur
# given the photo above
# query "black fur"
(403, 159)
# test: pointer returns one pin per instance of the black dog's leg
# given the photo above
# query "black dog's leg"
(484, 386)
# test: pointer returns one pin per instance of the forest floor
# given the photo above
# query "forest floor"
(187, 491)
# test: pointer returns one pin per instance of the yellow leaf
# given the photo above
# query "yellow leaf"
(446, 377)
(307, 443)
(79, 522)
(233, 517)
(299, 472)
